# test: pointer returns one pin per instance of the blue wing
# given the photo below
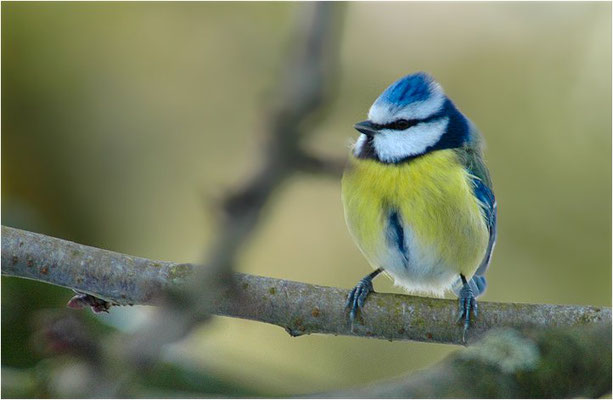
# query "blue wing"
(482, 190)
(487, 201)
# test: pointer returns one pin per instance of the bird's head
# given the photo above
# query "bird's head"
(410, 118)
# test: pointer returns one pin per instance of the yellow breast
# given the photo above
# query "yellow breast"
(434, 198)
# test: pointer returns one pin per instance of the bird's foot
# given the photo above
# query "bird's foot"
(357, 297)
(467, 307)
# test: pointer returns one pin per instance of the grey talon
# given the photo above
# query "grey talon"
(357, 297)
(467, 306)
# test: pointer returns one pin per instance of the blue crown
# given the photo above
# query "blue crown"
(407, 90)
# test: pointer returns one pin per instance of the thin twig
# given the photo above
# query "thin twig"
(313, 164)
(122, 279)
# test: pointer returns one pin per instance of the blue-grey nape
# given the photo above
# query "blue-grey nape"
(412, 88)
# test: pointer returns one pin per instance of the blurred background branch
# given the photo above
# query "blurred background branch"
(297, 307)
(302, 90)
(512, 363)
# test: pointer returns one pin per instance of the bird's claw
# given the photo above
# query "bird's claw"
(467, 306)
(357, 297)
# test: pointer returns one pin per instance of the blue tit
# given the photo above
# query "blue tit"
(418, 197)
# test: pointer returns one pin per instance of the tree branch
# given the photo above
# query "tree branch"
(299, 308)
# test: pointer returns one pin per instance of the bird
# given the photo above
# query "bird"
(418, 198)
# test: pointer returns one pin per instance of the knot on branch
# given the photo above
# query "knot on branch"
(84, 300)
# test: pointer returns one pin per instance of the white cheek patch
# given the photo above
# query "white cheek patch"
(383, 113)
(359, 144)
(392, 146)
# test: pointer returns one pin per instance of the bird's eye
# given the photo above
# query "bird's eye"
(401, 124)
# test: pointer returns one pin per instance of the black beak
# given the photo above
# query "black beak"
(366, 127)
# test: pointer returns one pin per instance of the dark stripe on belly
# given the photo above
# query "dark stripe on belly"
(395, 233)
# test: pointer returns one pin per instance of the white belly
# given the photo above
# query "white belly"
(419, 269)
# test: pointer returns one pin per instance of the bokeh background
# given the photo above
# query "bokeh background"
(121, 120)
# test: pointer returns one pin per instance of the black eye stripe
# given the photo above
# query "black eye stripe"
(402, 124)
(399, 125)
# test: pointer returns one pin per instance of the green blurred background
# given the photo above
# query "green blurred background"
(120, 121)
